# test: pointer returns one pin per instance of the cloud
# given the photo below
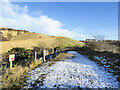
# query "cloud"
(36, 13)
(14, 16)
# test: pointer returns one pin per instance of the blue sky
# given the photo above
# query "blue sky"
(83, 19)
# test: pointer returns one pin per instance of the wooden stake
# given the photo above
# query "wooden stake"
(35, 55)
(10, 64)
(43, 55)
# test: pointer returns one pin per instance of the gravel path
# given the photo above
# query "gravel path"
(78, 72)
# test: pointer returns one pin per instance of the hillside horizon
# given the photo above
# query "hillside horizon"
(29, 40)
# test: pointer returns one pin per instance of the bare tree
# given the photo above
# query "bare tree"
(99, 37)
(102, 45)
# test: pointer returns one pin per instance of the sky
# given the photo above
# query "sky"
(76, 20)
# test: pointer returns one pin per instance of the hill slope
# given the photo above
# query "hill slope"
(30, 40)
(29, 36)
(67, 42)
(7, 33)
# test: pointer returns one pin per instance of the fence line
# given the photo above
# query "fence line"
(48, 56)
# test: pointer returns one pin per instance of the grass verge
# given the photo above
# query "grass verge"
(63, 56)
(13, 78)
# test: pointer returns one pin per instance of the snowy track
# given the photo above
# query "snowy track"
(78, 72)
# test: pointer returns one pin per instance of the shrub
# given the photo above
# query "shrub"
(23, 57)
(102, 46)
(93, 45)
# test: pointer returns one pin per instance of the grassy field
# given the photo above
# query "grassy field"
(67, 42)
(30, 40)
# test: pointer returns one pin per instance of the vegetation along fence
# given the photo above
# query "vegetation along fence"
(24, 57)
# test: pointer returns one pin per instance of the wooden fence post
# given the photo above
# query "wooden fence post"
(10, 64)
(35, 55)
(43, 55)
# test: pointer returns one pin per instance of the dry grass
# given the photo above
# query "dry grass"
(67, 42)
(30, 40)
(29, 36)
(28, 43)
(63, 56)
(12, 76)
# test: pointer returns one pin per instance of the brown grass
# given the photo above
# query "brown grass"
(63, 56)
(12, 76)
(28, 43)
(30, 40)
(29, 36)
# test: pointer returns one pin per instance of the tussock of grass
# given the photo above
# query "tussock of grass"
(11, 78)
(63, 56)
(51, 64)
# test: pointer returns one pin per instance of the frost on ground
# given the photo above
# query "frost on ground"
(78, 72)
(111, 65)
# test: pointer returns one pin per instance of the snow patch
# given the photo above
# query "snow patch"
(76, 72)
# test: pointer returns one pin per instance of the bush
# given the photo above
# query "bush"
(102, 46)
(93, 45)
(23, 57)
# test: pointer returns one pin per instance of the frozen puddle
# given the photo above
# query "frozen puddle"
(78, 72)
